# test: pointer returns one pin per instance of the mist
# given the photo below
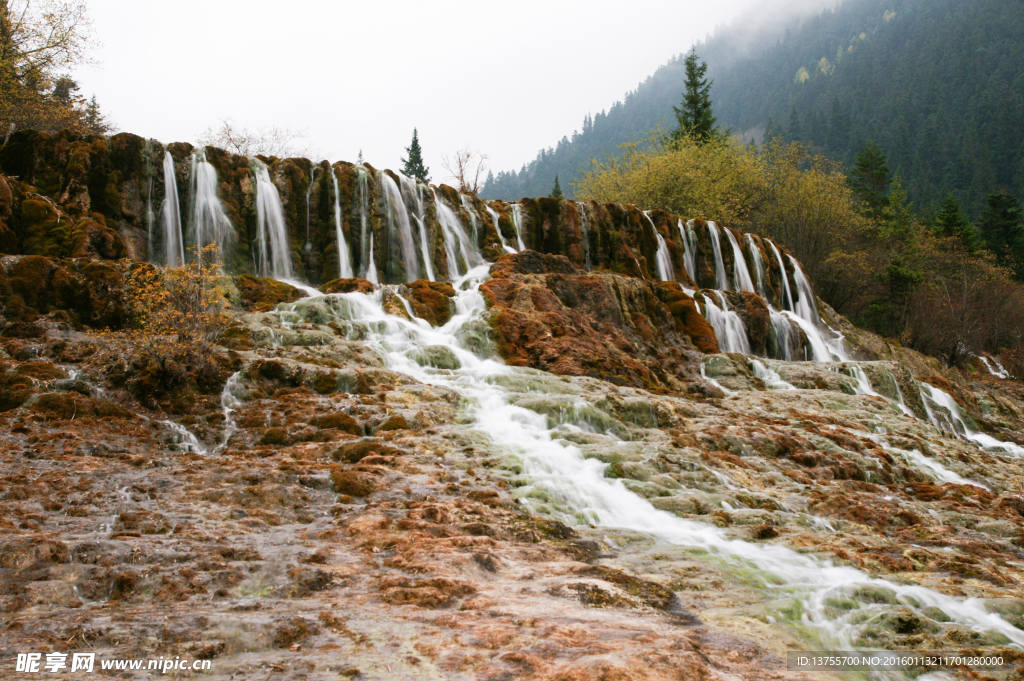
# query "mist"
(356, 78)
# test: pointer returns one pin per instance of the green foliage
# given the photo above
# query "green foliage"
(556, 191)
(413, 165)
(952, 222)
(695, 118)
(869, 179)
(936, 86)
(1002, 230)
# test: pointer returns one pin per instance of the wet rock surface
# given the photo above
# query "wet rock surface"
(322, 515)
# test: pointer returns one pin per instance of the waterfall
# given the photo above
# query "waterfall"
(785, 293)
(398, 223)
(150, 219)
(787, 342)
(474, 231)
(664, 258)
(999, 371)
(366, 261)
(271, 229)
(740, 274)
(344, 259)
(806, 305)
(956, 423)
(414, 196)
(770, 377)
(170, 212)
(308, 247)
(585, 223)
(721, 280)
(456, 241)
(690, 249)
(728, 326)
(755, 255)
(208, 223)
(576, 490)
(497, 228)
(517, 220)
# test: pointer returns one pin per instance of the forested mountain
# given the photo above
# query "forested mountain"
(938, 84)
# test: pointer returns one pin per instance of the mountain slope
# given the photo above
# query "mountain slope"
(938, 84)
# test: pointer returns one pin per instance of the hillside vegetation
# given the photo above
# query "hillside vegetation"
(938, 84)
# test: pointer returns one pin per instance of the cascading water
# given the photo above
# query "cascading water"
(208, 223)
(174, 244)
(787, 340)
(581, 209)
(474, 231)
(755, 256)
(413, 193)
(740, 273)
(565, 483)
(273, 255)
(806, 305)
(517, 221)
(666, 272)
(786, 294)
(456, 242)
(398, 224)
(769, 376)
(953, 420)
(728, 326)
(497, 228)
(367, 263)
(308, 246)
(721, 279)
(344, 258)
(689, 248)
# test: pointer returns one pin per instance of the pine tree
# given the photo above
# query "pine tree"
(869, 179)
(1003, 230)
(951, 221)
(359, 159)
(95, 121)
(414, 164)
(695, 117)
(556, 191)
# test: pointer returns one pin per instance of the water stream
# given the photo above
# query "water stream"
(564, 483)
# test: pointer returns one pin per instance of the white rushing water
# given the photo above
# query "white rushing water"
(581, 208)
(184, 438)
(230, 403)
(367, 263)
(689, 240)
(785, 292)
(398, 224)
(413, 192)
(517, 221)
(740, 272)
(272, 252)
(728, 325)
(666, 272)
(755, 256)
(344, 257)
(208, 223)
(721, 278)
(170, 212)
(497, 228)
(994, 367)
(769, 376)
(463, 254)
(565, 483)
(952, 419)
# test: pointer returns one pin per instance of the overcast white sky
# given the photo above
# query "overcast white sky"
(506, 78)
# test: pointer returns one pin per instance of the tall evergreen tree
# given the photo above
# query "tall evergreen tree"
(869, 179)
(1003, 230)
(413, 165)
(951, 221)
(695, 117)
(556, 191)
